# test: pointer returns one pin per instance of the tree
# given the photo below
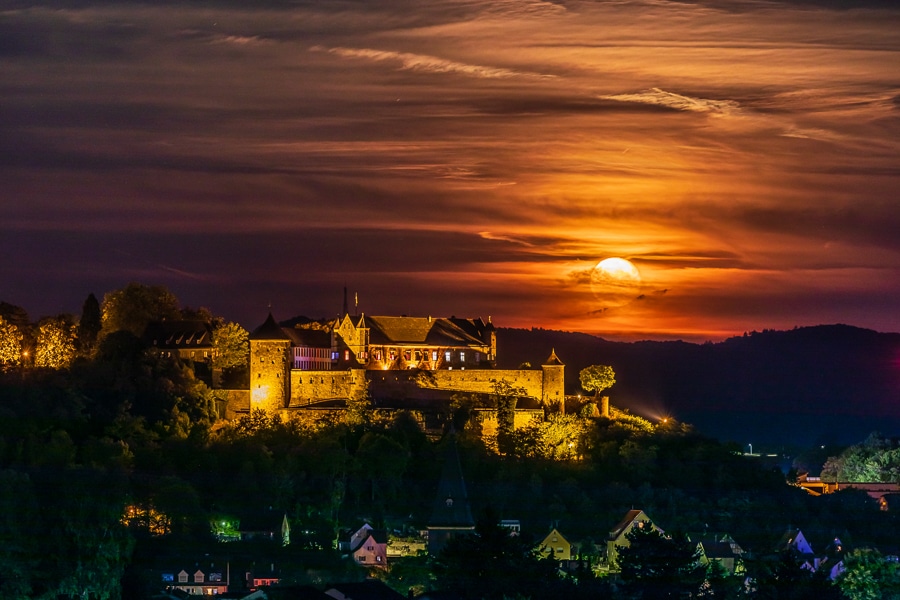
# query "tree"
(507, 396)
(55, 344)
(231, 343)
(89, 325)
(597, 378)
(136, 305)
(359, 405)
(10, 343)
(868, 576)
(490, 564)
(658, 566)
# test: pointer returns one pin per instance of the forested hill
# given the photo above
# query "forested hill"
(808, 385)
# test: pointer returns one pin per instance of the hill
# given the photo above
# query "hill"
(822, 384)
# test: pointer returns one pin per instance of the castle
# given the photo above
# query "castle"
(419, 358)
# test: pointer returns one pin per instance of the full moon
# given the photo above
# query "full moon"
(615, 282)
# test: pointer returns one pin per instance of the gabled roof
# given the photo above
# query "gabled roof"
(716, 545)
(269, 330)
(451, 504)
(630, 517)
(554, 532)
(424, 331)
(794, 538)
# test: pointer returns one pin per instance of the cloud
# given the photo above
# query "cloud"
(658, 97)
(427, 64)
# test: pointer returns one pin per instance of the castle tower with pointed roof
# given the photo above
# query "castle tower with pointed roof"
(270, 355)
(554, 382)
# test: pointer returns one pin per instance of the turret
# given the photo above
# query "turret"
(554, 388)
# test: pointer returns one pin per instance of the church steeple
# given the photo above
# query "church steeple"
(451, 513)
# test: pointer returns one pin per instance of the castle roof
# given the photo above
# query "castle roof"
(553, 360)
(425, 331)
(310, 338)
(270, 330)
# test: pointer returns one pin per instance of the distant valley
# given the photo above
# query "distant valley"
(812, 385)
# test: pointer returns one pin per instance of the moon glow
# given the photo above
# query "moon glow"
(615, 282)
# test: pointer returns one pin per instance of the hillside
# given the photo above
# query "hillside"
(829, 383)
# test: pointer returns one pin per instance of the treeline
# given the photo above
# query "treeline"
(119, 459)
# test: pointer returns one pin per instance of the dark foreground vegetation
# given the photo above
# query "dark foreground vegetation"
(119, 460)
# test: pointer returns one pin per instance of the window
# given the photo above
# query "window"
(361, 558)
(182, 577)
(198, 577)
(462, 357)
(215, 577)
(169, 577)
(434, 355)
(346, 355)
(447, 356)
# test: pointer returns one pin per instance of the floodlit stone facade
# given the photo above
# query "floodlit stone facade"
(420, 358)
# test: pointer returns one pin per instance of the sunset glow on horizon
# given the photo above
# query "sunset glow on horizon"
(459, 158)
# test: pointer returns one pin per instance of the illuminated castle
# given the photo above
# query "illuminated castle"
(412, 357)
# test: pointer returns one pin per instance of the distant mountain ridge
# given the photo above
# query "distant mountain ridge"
(827, 382)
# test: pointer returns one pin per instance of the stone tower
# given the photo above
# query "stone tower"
(554, 388)
(270, 355)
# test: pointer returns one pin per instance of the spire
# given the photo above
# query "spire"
(451, 504)
(552, 360)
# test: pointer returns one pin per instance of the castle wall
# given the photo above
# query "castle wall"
(484, 380)
(236, 403)
(308, 387)
(311, 386)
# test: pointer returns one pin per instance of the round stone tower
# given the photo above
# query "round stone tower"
(270, 355)
(554, 382)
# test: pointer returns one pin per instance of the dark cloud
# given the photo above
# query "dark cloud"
(481, 158)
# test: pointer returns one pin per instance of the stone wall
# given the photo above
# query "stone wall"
(269, 360)
(308, 387)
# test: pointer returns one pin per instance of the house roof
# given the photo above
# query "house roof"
(630, 517)
(554, 532)
(451, 504)
(269, 330)
(716, 545)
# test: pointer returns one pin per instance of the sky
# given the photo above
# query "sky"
(454, 157)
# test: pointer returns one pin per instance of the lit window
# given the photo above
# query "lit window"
(168, 577)
(434, 355)
(447, 356)
(462, 357)
(346, 355)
